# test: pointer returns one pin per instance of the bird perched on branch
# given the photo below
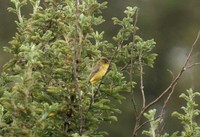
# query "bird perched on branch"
(98, 72)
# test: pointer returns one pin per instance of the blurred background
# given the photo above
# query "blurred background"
(173, 24)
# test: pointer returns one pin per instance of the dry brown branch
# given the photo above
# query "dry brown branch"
(167, 100)
(124, 67)
(192, 65)
(141, 80)
(146, 122)
(164, 106)
(132, 62)
(131, 67)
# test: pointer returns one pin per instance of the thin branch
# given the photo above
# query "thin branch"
(141, 80)
(161, 128)
(124, 67)
(131, 76)
(192, 65)
(165, 104)
(134, 106)
(148, 121)
(132, 62)
(171, 73)
(75, 65)
(167, 100)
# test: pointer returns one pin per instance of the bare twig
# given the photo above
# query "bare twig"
(167, 100)
(161, 128)
(192, 65)
(164, 106)
(148, 121)
(124, 67)
(141, 80)
(132, 62)
(172, 74)
(137, 121)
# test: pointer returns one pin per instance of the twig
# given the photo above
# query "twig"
(124, 67)
(148, 121)
(161, 128)
(132, 62)
(192, 65)
(171, 73)
(134, 106)
(141, 80)
(165, 104)
(75, 65)
(131, 76)
(167, 100)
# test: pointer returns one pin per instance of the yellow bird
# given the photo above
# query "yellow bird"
(99, 71)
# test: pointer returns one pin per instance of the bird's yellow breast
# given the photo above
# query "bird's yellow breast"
(99, 74)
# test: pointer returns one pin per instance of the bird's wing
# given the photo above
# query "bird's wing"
(94, 71)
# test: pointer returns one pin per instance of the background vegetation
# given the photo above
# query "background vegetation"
(173, 25)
